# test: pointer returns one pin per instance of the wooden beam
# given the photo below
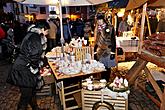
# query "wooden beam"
(142, 27)
(147, 56)
(162, 107)
(154, 84)
(135, 70)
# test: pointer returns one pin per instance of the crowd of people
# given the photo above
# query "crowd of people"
(36, 38)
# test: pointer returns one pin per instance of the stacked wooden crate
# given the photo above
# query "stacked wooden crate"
(89, 98)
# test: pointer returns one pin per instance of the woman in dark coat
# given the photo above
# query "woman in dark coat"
(26, 67)
(106, 44)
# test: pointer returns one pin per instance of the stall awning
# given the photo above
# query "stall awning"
(133, 4)
(118, 3)
(64, 2)
(158, 4)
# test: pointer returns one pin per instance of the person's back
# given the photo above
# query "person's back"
(123, 26)
(161, 25)
(52, 30)
(2, 33)
(52, 35)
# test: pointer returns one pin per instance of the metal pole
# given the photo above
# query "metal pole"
(61, 26)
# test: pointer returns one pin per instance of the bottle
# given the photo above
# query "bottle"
(79, 42)
(72, 57)
(83, 44)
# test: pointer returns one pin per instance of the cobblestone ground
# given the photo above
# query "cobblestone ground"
(9, 96)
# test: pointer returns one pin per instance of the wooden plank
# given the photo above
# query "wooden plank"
(72, 108)
(149, 95)
(142, 27)
(135, 70)
(162, 107)
(89, 98)
(154, 84)
(69, 93)
(147, 56)
(75, 85)
(63, 96)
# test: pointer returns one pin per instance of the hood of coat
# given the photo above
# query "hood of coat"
(35, 30)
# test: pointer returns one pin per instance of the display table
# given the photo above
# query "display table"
(127, 43)
(140, 65)
(61, 78)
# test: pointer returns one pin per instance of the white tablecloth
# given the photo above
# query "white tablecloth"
(127, 44)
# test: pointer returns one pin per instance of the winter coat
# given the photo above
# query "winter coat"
(52, 30)
(30, 56)
(106, 43)
(161, 25)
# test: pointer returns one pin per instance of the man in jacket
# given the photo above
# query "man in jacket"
(52, 35)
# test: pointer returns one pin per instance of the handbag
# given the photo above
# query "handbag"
(40, 82)
(105, 58)
(39, 78)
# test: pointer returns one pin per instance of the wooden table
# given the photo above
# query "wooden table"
(61, 78)
(140, 65)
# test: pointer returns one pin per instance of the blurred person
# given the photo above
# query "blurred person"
(2, 33)
(123, 26)
(58, 34)
(66, 31)
(161, 23)
(106, 44)
(87, 31)
(25, 70)
(52, 35)
(79, 28)
(19, 32)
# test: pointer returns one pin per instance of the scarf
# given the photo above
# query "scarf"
(101, 27)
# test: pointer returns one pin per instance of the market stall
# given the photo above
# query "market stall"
(76, 65)
(146, 55)
(129, 44)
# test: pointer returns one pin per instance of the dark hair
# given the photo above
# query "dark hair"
(42, 24)
(100, 16)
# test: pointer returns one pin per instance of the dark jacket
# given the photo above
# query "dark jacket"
(30, 55)
(106, 43)
(106, 40)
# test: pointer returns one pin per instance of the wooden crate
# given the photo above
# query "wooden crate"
(89, 98)
(80, 53)
(49, 79)
(45, 91)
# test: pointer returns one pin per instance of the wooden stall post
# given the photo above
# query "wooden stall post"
(142, 27)
(162, 106)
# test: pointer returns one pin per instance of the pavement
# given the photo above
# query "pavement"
(9, 95)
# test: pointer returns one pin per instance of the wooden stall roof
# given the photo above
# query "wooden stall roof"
(158, 4)
(133, 4)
